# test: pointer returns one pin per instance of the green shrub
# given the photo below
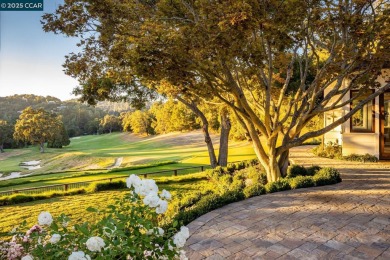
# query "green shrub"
(254, 190)
(255, 173)
(101, 186)
(207, 204)
(23, 198)
(331, 150)
(237, 184)
(301, 182)
(279, 185)
(361, 158)
(296, 170)
(254, 162)
(326, 176)
(312, 170)
(231, 167)
(241, 165)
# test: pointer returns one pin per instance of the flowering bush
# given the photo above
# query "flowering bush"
(126, 230)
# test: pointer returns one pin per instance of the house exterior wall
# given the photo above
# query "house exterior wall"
(355, 142)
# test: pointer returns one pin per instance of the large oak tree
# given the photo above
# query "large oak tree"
(270, 61)
(39, 126)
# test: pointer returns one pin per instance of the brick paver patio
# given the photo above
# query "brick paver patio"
(349, 220)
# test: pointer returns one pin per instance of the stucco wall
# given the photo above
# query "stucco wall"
(361, 143)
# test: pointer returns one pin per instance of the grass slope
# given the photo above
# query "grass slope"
(100, 152)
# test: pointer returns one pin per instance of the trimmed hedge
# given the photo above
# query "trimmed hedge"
(361, 158)
(254, 190)
(22, 198)
(326, 176)
(279, 185)
(301, 182)
(200, 204)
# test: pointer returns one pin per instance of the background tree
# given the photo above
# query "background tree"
(244, 53)
(110, 123)
(59, 139)
(37, 126)
(140, 122)
(5, 134)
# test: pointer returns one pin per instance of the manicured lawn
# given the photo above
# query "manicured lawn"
(101, 151)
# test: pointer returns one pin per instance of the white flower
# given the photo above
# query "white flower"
(160, 232)
(27, 257)
(165, 195)
(145, 187)
(65, 224)
(162, 207)
(133, 181)
(179, 240)
(95, 244)
(45, 218)
(55, 238)
(185, 231)
(183, 255)
(181, 237)
(151, 199)
(79, 255)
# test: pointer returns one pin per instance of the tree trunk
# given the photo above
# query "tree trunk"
(283, 162)
(205, 129)
(273, 170)
(210, 146)
(224, 139)
(1, 148)
(41, 147)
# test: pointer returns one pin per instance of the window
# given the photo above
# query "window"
(363, 119)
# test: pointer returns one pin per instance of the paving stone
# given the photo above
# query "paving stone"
(349, 220)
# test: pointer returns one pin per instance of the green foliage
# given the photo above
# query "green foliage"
(39, 126)
(331, 150)
(140, 122)
(101, 186)
(59, 140)
(110, 123)
(361, 158)
(22, 198)
(172, 116)
(6, 131)
(279, 185)
(301, 182)
(254, 190)
(296, 170)
(207, 204)
(334, 151)
(312, 170)
(326, 176)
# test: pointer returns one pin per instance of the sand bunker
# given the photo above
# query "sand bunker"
(13, 175)
(31, 165)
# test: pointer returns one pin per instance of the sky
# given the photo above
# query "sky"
(30, 59)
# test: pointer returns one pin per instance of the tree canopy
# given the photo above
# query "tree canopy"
(270, 61)
(39, 126)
